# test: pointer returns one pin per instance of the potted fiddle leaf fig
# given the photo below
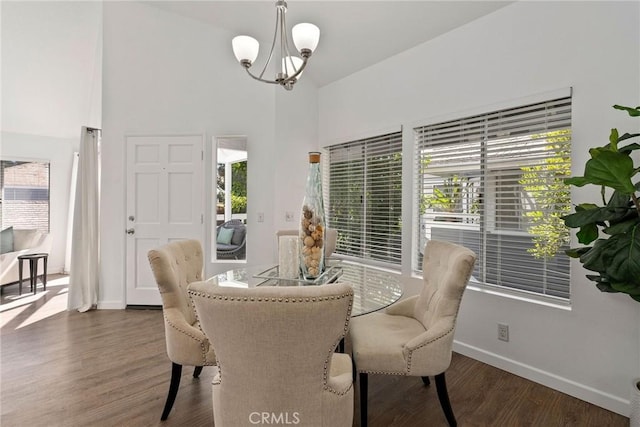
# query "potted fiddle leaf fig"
(614, 257)
(615, 254)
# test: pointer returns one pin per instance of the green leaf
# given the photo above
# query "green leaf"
(593, 216)
(613, 139)
(586, 206)
(619, 199)
(602, 282)
(604, 287)
(578, 181)
(633, 112)
(627, 288)
(635, 297)
(630, 147)
(611, 169)
(576, 252)
(622, 227)
(596, 259)
(623, 257)
(587, 234)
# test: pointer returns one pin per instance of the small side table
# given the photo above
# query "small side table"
(33, 268)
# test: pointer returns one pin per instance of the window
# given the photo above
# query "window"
(24, 195)
(364, 187)
(494, 183)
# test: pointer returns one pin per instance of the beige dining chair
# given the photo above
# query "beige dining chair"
(275, 347)
(330, 239)
(174, 266)
(414, 337)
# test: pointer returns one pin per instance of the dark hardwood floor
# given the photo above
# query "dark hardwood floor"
(109, 368)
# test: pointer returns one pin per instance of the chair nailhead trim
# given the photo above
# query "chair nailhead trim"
(411, 351)
(404, 374)
(428, 342)
(450, 331)
(272, 299)
(190, 335)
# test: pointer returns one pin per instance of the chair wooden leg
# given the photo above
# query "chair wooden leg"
(196, 371)
(426, 381)
(354, 371)
(176, 373)
(443, 395)
(364, 382)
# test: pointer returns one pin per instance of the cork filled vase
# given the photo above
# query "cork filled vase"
(312, 223)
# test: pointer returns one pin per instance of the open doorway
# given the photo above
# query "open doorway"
(229, 239)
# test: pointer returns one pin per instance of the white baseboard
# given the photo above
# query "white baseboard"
(111, 305)
(581, 391)
(55, 269)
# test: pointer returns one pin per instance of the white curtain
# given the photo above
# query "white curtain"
(85, 246)
(72, 204)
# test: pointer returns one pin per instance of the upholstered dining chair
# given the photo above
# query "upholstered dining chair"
(414, 337)
(330, 239)
(174, 266)
(275, 351)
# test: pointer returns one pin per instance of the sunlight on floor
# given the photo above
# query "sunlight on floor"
(30, 308)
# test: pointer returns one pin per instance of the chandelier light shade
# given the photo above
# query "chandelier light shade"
(245, 48)
(292, 63)
(305, 38)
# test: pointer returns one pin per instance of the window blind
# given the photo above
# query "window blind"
(363, 185)
(494, 183)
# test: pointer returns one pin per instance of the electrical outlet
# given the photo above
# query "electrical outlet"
(503, 332)
(288, 216)
(260, 216)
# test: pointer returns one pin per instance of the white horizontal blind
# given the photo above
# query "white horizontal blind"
(365, 198)
(493, 183)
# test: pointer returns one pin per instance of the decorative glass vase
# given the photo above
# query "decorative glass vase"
(288, 257)
(312, 223)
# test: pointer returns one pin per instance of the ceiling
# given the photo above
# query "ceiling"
(51, 56)
(353, 34)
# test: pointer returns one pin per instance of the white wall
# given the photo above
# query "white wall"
(51, 69)
(592, 350)
(59, 153)
(166, 74)
(51, 87)
(296, 135)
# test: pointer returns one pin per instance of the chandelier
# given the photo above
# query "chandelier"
(305, 37)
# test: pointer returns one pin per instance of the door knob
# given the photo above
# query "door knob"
(131, 231)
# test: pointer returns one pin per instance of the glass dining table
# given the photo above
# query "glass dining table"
(373, 288)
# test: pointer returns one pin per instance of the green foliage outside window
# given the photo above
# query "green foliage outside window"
(552, 197)
(449, 196)
(238, 186)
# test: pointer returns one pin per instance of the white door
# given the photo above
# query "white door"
(164, 203)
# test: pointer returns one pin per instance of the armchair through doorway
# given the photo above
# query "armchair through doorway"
(231, 239)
